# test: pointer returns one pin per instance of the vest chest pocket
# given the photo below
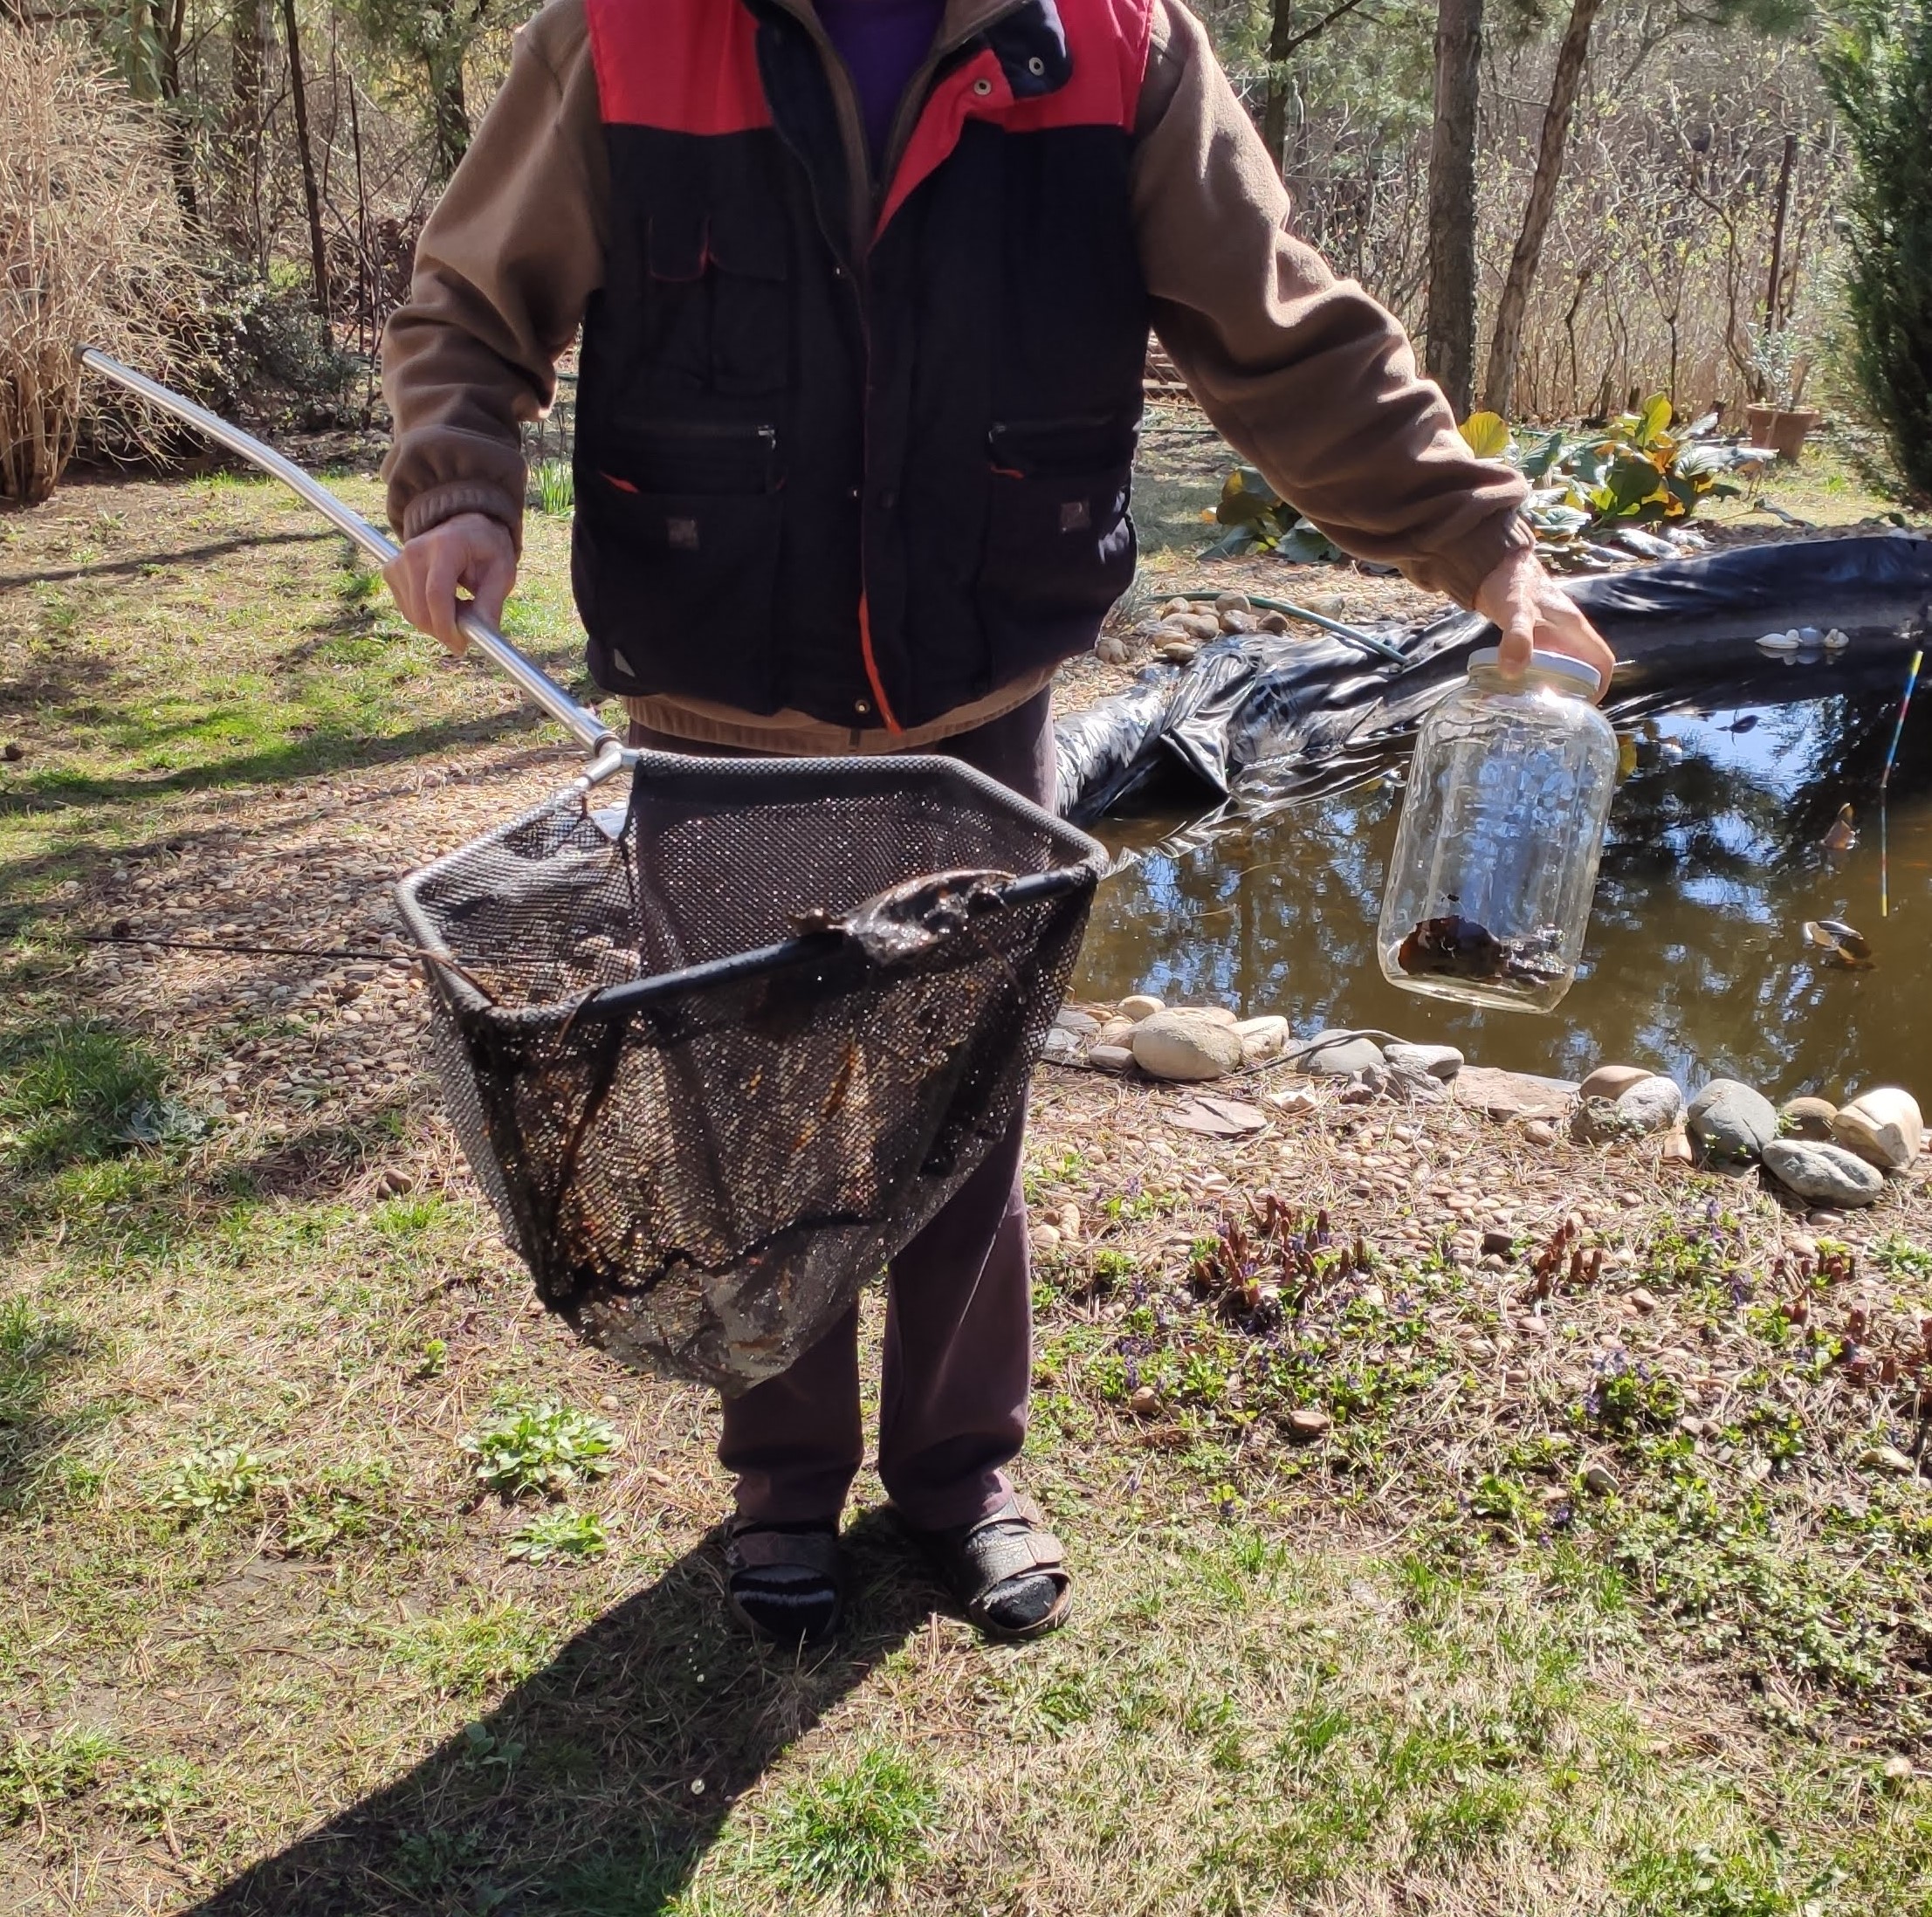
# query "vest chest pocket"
(679, 534)
(1059, 542)
(717, 302)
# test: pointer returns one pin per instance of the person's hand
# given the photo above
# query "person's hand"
(471, 551)
(1533, 612)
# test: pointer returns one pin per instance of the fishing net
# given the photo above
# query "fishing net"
(717, 1057)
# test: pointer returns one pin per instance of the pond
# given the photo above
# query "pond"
(1696, 963)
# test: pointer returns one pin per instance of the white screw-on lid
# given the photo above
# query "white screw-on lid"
(1557, 669)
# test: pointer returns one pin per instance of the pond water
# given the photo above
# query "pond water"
(1696, 963)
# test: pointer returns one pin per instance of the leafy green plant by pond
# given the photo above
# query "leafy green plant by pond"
(1635, 471)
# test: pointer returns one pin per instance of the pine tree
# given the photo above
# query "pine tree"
(1879, 73)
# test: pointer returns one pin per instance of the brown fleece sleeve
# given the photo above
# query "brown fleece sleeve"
(1305, 375)
(506, 262)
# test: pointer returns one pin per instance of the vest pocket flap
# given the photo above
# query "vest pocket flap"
(685, 242)
(1059, 542)
(677, 580)
(745, 235)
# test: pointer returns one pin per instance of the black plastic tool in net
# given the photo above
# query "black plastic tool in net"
(717, 1058)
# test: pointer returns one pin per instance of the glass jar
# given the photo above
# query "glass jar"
(1495, 863)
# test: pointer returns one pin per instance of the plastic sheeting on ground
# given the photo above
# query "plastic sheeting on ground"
(1264, 716)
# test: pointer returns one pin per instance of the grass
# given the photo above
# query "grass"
(339, 1578)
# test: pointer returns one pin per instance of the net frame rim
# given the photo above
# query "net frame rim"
(1085, 862)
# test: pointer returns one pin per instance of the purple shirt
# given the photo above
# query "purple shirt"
(884, 43)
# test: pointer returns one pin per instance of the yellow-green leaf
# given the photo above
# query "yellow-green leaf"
(1655, 418)
(1488, 434)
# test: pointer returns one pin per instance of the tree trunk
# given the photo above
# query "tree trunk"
(1506, 347)
(319, 265)
(181, 155)
(1451, 319)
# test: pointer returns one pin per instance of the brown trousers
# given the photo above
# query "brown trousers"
(958, 1345)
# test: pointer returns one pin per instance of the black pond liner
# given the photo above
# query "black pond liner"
(1261, 717)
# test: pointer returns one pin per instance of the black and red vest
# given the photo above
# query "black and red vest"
(868, 477)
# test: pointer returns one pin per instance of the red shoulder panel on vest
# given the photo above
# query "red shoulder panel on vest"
(685, 65)
(1107, 45)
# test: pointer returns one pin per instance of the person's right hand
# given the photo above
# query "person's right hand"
(471, 551)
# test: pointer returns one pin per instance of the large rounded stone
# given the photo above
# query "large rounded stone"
(1443, 1062)
(1883, 1126)
(1652, 1105)
(1185, 1044)
(1612, 1081)
(1730, 1120)
(1139, 1005)
(1825, 1174)
(1806, 1118)
(1334, 1054)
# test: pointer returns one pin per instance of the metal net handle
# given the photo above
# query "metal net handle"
(590, 731)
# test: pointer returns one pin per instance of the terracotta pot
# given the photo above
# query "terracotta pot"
(1784, 432)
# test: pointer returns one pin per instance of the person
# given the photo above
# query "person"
(864, 289)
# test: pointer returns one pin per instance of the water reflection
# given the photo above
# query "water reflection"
(1695, 963)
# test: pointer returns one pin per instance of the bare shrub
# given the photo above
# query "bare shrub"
(91, 248)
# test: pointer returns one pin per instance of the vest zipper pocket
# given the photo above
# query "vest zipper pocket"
(1075, 442)
(705, 455)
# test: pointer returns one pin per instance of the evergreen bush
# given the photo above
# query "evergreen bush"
(1879, 69)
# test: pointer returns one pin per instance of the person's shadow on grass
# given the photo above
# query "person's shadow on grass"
(596, 1786)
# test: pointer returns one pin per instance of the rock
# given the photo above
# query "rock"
(1084, 1024)
(1044, 1238)
(1109, 1058)
(1063, 1048)
(1221, 1015)
(1884, 1126)
(1806, 1118)
(1218, 1117)
(1139, 1005)
(1335, 1054)
(1652, 1105)
(1643, 1302)
(1262, 1039)
(1239, 622)
(1730, 1120)
(1069, 1221)
(1177, 652)
(1275, 622)
(1675, 1149)
(1305, 1426)
(1196, 625)
(1897, 1770)
(1233, 602)
(1825, 1173)
(1888, 1458)
(1499, 1244)
(1144, 1402)
(1825, 1221)
(1612, 1081)
(1185, 1044)
(1598, 1481)
(1540, 1131)
(1443, 1062)
(1296, 1101)
(1116, 1031)
(13, 752)
(1513, 1095)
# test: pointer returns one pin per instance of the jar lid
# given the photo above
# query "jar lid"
(1557, 669)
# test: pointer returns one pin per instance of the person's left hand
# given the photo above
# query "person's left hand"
(1533, 612)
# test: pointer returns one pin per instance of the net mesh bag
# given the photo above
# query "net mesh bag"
(717, 1058)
